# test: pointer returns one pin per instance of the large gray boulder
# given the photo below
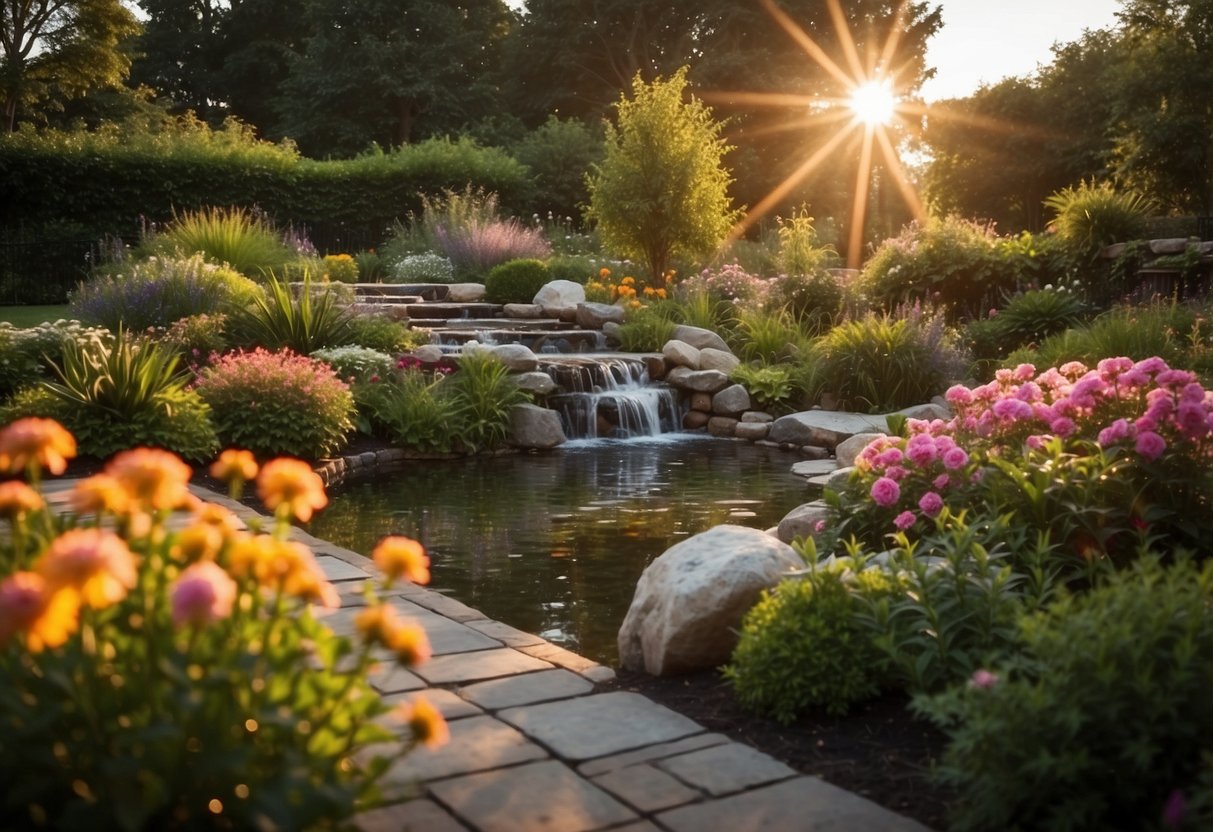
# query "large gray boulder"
(849, 448)
(532, 426)
(700, 337)
(559, 299)
(714, 359)
(517, 358)
(801, 522)
(705, 381)
(596, 315)
(823, 427)
(731, 401)
(539, 383)
(689, 602)
(681, 354)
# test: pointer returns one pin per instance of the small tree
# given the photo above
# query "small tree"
(662, 190)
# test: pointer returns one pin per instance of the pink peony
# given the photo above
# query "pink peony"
(1063, 426)
(941, 482)
(886, 492)
(204, 593)
(1116, 432)
(955, 458)
(983, 679)
(1011, 410)
(1024, 372)
(959, 394)
(930, 503)
(1150, 445)
(904, 520)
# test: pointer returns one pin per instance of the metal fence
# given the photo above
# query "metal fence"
(34, 272)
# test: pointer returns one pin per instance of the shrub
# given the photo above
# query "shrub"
(168, 690)
(517, 281)
(560, 153)
(341, 268)
(160, 290)
(464, 227)
(483, 394)
(198, 337)
(412, 409)
(278, 403)
(767, 336)
(380, 333)
(356, 363)
(802, 648)
(1100, 722)
(27, 355)
(647, 329)
(571, 267)
(235, 237)
(813, 299)
(1091, 216)
(301, 321)
(1027, 319)
(371, 266)
(772, 386)
(800, 252)
(730, 283)
(422, 268)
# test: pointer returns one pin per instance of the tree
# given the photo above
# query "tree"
(55, 50)
(662, 191)
(560, 153)
(179, 56)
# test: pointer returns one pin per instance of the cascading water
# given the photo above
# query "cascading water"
(610, 397)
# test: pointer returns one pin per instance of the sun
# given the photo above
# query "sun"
(873, 103)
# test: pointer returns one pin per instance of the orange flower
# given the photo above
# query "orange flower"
(628, 281)
(35, 441)
(293, 484)
(99, 494)
(376, 623)
(204, 593)
(93, 562)
(661, 293)
(17, 498)
(402, 557)
(153, 479)
(29, 607)
(216, 516)
(306, 581)
(424, 721)
(604, 273)
(198, 542)
(234, 466)
(409, 643)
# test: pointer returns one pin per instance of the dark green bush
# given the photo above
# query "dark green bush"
(1026, 320)
(1103, 717)
(813, 299)
(571, 267)
(559, 154)
(516, 281)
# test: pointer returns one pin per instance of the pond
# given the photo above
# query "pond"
(554, 543)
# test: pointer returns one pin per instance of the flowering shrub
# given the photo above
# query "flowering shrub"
(729, 283)
(356, 363)
(475, 248)
(422, 268)
(278, 403)
(152, 678)
(627, 291)
(814, 298)
(27, 355)
(342, 268)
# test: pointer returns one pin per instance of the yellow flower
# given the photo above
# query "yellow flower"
(306, 581)
(409, 643)
(99, 494)
(198, 542)
(30, 608)
(35, 441)
(93, 562)
(17, 498)
(402, 557)
(234, 466)
(426, 724)
(291, 483)
(153, 479)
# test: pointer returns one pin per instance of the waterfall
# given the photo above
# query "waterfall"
(610, 397)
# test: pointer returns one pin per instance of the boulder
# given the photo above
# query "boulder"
(701, 401)
(532, 426)
(1171, 245)
(518, 358)
(722, 426)
(814, 467)
(559, 299)
(823, 427)
(610, 331)
(753, 431)
(428, 354)
(731, 401)
(681, 354)
(689, 602)
(801, 522)
(757, 416)
(521, 310)
(700, 337)
(849, 448)
(695, 419)
(927, 412)
(654, 365)
(596, 315)
(677, 376)
(706, 381)
(539, 383)
(714, 359)
(465, 292)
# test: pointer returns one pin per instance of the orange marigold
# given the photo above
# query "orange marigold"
(153, 479)
(293, 484)
(94, 562)
(425, 722)
(31, 609)
(376, 623)
(99, 494)
(409, 643)
(17, 498)
(402, 557)
(44, 442)
(198, 542)
(234, 465)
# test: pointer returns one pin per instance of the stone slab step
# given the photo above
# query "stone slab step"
(557, 340)
(425, 291)
(389, 300)
(446, 311)
(514, 324)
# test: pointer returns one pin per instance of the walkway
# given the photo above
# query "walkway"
(536, 746)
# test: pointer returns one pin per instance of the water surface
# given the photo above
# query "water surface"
(554, 543)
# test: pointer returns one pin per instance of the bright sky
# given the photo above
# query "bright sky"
(988, 40)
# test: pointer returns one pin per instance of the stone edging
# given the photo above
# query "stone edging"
(337, 470)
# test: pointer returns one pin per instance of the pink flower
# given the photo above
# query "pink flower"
(892, 456)
(904, 520)
(921, 453)
(1116, 432)
(886, 492)
(993, 313)
(1011, 410)
(1063, 426)
(1036, 441)
(1150, 445)
(896, 473)
(983, 679)
(1072, 369)
(959, 394)
(1153, 365)
(204, 593)
(1024, 372)
(941, 482)
(1113, 367)
(819, 526)
(930, 503)
(955, 458)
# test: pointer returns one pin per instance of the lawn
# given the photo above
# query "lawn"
(27, 316)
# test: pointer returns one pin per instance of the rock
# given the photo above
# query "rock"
(689, 602)
(722, 426)
(839, 479)
(823, 427)
(654, 365)
(517, 358)
(681, 354)
(813, 467)
(695, 419)
(540, 384)
(532, 426)
(706, 381)
(801, 522)
(1172, 245)
(465, 292)
(814, 452)
(699, 337)
(522, 310)
(714, 359)
(753, 431)
(849, 448)
(701, 401)
(610, 331)
(596, 315)
(677, 376)
(926, 412)
(731, 401)
(757, 416)
(559, 299)
(429, 354)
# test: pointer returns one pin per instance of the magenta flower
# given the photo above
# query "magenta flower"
(1150, 445)
(1063, 426)
(1012, 410)
(1116, 432)
(941, 482)
(983, 679)
(204, 593)
(930, 503)
(904, 520)
(886, 492)
(959, 394)
(955, 458)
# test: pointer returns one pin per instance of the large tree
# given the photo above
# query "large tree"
(54, 50)
(179, 55)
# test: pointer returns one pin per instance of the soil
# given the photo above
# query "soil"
(878, 751)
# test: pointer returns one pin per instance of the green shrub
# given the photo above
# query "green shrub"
(341, 268)
(422, 268)
(303, 322)
(813, 299)
(560, 153)
(800, 251)
(483, 394)
(278, 403)
(378, 332)
(27, 355)
(1026, 320)
(371, 267)
(801, 647)
(410, 409)
(1101, 719)
(517, 281)
(198, 337)
(647, 329)
(767, 336)
(356, 363)
(235, 237)
(572, 268)
(772, 386)
(1091, 216)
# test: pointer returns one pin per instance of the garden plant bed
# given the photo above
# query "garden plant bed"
(878, 751)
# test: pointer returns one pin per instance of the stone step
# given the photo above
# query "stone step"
(553, 341)
(448, 311)
(425, 291)
(389, 300)
(515, 324)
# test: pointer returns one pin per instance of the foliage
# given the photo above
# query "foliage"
(354, 364)
(277, 403)
(647, 329)
(730, 283)
(571, 267)
(371, 267)
(303, 322)
(883, 363)
(411, 409)
(559, 153)
(1091, 216)
(800, 252)
(423, 268)
(802, 648)
(1100, 721)
(483, 394)
(235, 237)
(661, 191)
(516, 281)
(160, 290)
(812, 298)
(378, 332)
(202, 670)
(198, 338)
(772, 386)
(466, 228)
(342, 268)
(27, 355)
(1026, 320)
(767, 336)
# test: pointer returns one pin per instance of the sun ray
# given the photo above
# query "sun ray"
(758, 99)
(859, 211)
(894, 166)
(858, 73)
(813, 120)
(806, 43)
(894, 39)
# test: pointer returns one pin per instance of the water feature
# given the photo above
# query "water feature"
(610, 397)
(553, 544)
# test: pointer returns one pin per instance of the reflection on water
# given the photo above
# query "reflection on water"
(553, 544)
